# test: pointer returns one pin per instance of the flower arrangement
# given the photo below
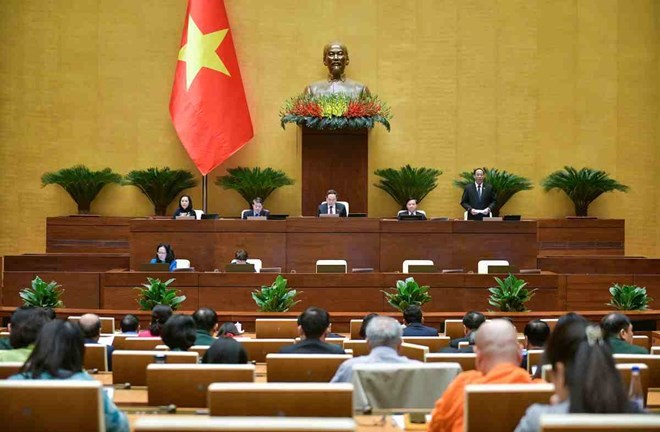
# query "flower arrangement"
(335, 111)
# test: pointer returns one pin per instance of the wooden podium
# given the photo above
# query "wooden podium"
(334, 159)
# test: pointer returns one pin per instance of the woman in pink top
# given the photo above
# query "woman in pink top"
(159, 315)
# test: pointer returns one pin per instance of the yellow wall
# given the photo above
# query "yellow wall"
(522, 85)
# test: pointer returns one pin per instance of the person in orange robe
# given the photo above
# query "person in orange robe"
(498, 359)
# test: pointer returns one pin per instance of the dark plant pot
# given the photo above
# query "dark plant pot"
(160, 210)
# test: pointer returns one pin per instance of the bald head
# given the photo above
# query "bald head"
(496, 343)
(90, 325)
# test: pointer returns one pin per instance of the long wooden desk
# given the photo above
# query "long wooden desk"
(295, 244)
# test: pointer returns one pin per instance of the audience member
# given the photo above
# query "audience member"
(384, 339)
(91, 329)
(58, 354)
(26, 323)
(206, 321)
(228, 330)
(225, 350)
(471, 322)
(365, 323)
(413, 319)
(584, 374)
(313, 326)
(619, 334)
(497, 362)
(179, 332)
(130, 325)
(536, 334)
(159, 316)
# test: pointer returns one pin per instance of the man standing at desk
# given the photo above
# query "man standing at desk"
(331, 206)
(478, 197)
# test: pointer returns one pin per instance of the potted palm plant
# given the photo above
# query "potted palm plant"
(407, 292)
(81, 183)
(582, 186)
(160, 185)
(42, 294)
(407, 182)
(155, 292)
(510, 294)
(504, 183)
(255, 182)
(629, 297)
(276, 297)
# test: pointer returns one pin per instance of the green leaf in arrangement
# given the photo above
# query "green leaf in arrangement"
(407, 292)
(255, 182)
(407, 182)
(276, 297)
(42, 294)
(160, 185)
(82, 184)
(510, 294)
(156, 292)
(629, 297)
(505, 184)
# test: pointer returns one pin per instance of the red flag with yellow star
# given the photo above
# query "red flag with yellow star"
(208, 105)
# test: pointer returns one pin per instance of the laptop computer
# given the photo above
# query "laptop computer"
(407, 217)
(502, 269)
(511, 217)
(424, 268)
(185, 217)
(160, 267)
(239, 268)
(330, 268)
(327, 215)
(210, 216)
(261, 218)
(277, 216)
(360, 215)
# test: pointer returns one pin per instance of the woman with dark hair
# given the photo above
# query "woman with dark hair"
(179, 332)
(185, 207)
(164, 255)
(159, 316)
(240, 257)
(58, 354)
(228, 330)
(365, 323)
(225, 351)
(584, 374)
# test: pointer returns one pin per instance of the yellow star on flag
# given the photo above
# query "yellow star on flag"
(200, 52)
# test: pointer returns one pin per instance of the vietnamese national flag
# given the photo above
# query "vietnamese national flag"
(208, 105)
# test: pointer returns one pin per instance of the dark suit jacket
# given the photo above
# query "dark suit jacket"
(340, 210)
(405, 212)
(312, 346)
(251, 213)
(454, 342)
(419, 329)
(471, 199)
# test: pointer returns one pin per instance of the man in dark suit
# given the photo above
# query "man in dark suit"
(331, 206)
(257, 209)
(313, 326)
(413, 319)
(471, 323)
(411, 209)
(478, 198)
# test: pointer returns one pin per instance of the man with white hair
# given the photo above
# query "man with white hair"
(498, 359)
(384, 338)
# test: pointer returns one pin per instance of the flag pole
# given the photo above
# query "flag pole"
(205, 193)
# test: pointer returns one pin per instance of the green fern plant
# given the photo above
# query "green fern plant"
(276, 297)
(42, 294)
(510, 294)
(160, 185)
(582, 186)
(505, 184)
(255, 182)
(629, 297)
(407, 182)
(407, 292)
(82, 184)
(156, 292)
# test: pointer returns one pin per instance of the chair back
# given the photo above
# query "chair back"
(599, 423)
(182, 264)
(185, 385)
(199, 349)
(198, 214)
(333, 263)
(258, 349)
(482, 265)
(8, 369)
(257, 264)
(467, 361)
(533, 360)
(499, 407)
(655, 350)
(131, 366)
(32, 405)
(107, 323)
(118, 342)
(434, 343)
(190, 423)
(625, 369)
(281, 399)
(96, 357)
(413, 351)
(276, 328)
(551, 322)
(303, 367)
(142, 343)
(652, 361)
(642, 341)
(359, 347)
(454, 328)
(355, 326)
(408, 263)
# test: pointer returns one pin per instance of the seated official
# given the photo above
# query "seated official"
(240, 257)
(58, 354)
(619, 334)
(413, 318)
(411, 209)
(479, 198)
(185, 207)
(26, 323)
(331, 206)
(90, 324)
(313, 327)
(257, 209)
(164, 255)
(206, 320)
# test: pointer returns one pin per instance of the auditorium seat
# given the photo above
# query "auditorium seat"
(642, 341)
(413, 351)
(599, 423)
(454, 328)
(467, 361)
(190, 423)
(281, 399)
(119, 340)
(551, 322)
(652, 361)
(54, 406)
(131, 366)
(276, 328)
(107, 323)
(142, 343)
(655, 350)
(359, 347)
(533, 359)
(355, 326)
(96, 357)
(185, 385)
(499, 407)
(303, 367)
(435, 343)
(199, 349)
(8, 369)
(258, 349)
